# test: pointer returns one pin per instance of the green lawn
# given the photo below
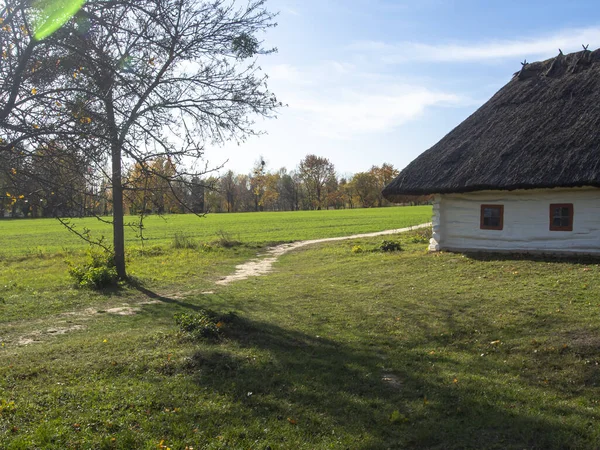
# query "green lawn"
(334, 349)
(34, 253)
(27, 237)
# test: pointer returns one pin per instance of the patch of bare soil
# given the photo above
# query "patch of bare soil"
(62, 323)
(38, 336)
(264, 263)
(123, 311)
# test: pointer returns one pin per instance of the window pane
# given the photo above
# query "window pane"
(561, 217)
(491, 217)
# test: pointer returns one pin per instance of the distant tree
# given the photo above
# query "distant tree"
(383, 176)
(258, 182)
(315, 172)
(365, 188)
(152, 187)
(245, 194)
(195, 195)
(60, 178)
(287, 191)
(213, 198)
(270, 199)
(229, 190)
(334, 194)
(347, 192)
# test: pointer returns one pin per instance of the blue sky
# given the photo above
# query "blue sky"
(374, 81)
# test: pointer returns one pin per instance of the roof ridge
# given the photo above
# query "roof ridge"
(559, 65)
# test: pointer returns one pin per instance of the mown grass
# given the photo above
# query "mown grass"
(26, 238)
(34, 254)
(335, 349)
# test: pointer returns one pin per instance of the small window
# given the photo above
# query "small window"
(561, 217)
(492, 217)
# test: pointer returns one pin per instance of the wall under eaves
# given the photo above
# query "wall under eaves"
(526, 224)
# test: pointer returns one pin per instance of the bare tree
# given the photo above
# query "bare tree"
(128, 81)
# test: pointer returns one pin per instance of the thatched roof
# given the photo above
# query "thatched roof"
(541, 130)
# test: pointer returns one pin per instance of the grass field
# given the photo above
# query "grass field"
(34, 253)
(20, 237)
(336, 348)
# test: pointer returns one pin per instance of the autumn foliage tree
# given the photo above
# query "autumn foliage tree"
(383, 176)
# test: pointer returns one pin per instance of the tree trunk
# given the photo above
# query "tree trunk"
(118, 228)
(318, 197)
(117, 187)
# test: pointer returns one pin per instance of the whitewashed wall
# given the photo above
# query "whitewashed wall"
(526, 221)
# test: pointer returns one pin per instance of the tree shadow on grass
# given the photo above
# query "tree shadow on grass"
(164, 299)
(334, 388)
(319, 387)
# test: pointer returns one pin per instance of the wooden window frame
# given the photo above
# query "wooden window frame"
(561, 205)
(487, 227)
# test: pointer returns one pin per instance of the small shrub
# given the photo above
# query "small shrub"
(421, 236)
(182, 240)
(225, 240)
(390, 246)
(357, 249)
(199, 325)
(206, 248)
(97, 272)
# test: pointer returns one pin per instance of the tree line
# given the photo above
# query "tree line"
(155, 187)
(313, 185)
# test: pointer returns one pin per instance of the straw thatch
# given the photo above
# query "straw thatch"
(541, 130)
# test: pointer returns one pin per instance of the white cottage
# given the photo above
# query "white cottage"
(523, 172)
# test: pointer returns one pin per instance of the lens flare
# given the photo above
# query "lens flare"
(53, 14)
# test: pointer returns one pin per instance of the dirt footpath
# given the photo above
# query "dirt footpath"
(264, 263)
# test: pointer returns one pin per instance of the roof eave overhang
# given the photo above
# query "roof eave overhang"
(396, 193)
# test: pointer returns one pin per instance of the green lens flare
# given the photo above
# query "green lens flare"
(53, 14)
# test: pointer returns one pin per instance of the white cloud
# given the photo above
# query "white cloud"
(543, 46)
(339, 100)
(344, 115)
